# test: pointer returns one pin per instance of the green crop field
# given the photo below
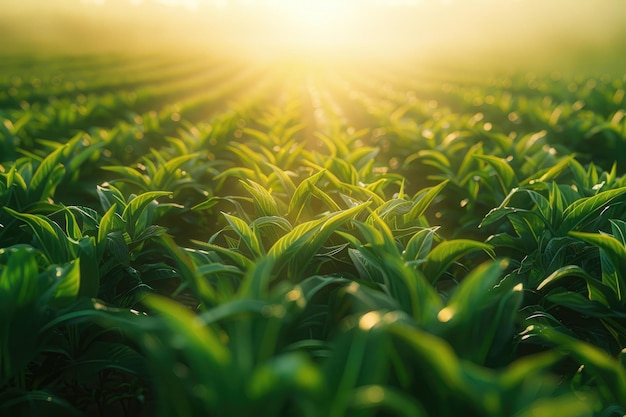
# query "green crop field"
(193, 233)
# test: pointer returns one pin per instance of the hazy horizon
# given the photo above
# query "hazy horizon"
(489, 29)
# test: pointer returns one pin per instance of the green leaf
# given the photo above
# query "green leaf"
(297, 248)
(49, 187)
(611, 376)
(130, 175)
(81, 149)
(110, 222)
(618, 229)
(136, 208)
(378, 234)
(241, 261)
(187, 269)
(71, 225)
(383, 264)
(206, 355)
(392, 208)
(420, 244)
(475, 290)
(67, 284)
(505, 174)
(577, 302)
(286, 375)
(435, 356)
(315, 191)
(20, 309)
(15, 178)
(167, 173)
(444, 254)
(517, 374)
(577, 213)
(117, 246)
(551, 172)
(345, 370)
(597, 290)
(270, 229)
(556, 204)
(284, 178)
(53, 240)
(246, 234)
(360, 299)
(90, 218)
(110, 196)
(479, 318)
(19, 278)
(613, 254)
(151, 232)
(208, 204)
(423, 200)
(433, 158)
(47, 176)
(366, 270)
(302, 194)
(240, 172)
(502, 210)
(264, 202)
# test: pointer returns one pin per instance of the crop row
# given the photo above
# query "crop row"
(311, 243)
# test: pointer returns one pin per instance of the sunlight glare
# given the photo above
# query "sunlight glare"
(313, 24)
(308, 31)
(314, 14)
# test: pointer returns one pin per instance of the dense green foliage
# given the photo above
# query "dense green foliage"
(195, 237)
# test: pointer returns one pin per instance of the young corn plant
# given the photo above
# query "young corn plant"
(48, 359)
(557, 239)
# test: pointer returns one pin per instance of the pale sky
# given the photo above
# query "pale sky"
(497, 28)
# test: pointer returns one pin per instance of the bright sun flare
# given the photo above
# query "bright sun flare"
(336, 29)
(315, 14)
(314, 24)
(311, 28)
